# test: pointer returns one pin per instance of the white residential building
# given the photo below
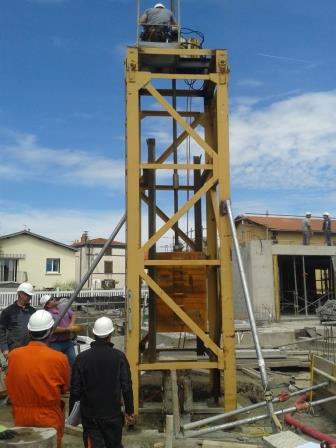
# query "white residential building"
(26, 256)
(110, 271)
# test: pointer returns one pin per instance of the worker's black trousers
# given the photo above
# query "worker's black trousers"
(102, 432)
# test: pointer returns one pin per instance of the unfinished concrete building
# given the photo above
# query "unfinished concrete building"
(285, 277)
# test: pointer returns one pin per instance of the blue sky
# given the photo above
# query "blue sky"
(62, 108)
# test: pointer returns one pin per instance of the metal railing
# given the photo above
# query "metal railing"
(7, 298)
(99, 298)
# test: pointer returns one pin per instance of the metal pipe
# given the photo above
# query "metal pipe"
(304, 284)
(326, 375)
(91, 269)
(251, 407)
(248, 301)
(256, 418)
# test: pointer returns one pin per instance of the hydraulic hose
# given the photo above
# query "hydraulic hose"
(300, 404)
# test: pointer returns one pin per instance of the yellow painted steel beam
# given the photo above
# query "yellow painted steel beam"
(183, 77)
(165, 218)
(177, 51)
(177, 166)
(169, 262)
(179, 365)
(276, 286)
(214, 304)
(133, 83)
(225, 250)
(215, 205)
(198, 139)
(169, 224)
(180, 139)
(182, 315)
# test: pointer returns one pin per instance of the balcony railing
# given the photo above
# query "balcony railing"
(12, 256)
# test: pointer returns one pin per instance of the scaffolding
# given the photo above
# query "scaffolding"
(158, 74)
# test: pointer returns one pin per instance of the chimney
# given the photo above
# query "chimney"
(84, 237)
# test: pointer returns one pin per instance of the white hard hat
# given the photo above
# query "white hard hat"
(308, 213)
(44, 299)
(41, 320)
(103, 327)
(159, 5)
(325, 214)
(27, 288)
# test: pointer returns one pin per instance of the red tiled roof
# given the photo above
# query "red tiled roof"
(97, 242)
(284, 223)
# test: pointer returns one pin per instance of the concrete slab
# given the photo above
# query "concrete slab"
(285, 439)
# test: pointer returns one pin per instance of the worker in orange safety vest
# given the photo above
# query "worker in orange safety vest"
(36, 377)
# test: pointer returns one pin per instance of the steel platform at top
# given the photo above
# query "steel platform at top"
(170, 57)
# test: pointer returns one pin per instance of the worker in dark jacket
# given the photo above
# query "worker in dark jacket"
(101, 380)
(14, 320)
(326, 228)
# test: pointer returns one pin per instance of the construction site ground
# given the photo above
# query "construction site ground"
(150, 426)
(149, 430)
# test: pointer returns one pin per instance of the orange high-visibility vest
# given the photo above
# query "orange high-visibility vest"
(36, 377)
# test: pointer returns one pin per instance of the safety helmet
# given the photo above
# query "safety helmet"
(103, 327)
(27, 288)
(45, 299)
(41, 320)
(325, 214)
(159, 5)
(308, 213)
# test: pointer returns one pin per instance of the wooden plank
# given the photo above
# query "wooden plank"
(221, 444)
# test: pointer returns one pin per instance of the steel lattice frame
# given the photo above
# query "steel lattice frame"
(215, 189)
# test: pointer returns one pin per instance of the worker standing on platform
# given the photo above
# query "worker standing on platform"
(36, 377)
(326, 227)
(157, 23)
(14, 320)
(61, 337)
(100, 380)
(306, 229)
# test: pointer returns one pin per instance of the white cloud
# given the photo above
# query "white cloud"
(22, 157)
(288, 144)
(284, 58)
(65, 226)
(250, 83)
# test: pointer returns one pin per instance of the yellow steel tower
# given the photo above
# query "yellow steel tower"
(191, 285)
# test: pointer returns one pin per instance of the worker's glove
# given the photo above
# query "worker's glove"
(7, 434)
